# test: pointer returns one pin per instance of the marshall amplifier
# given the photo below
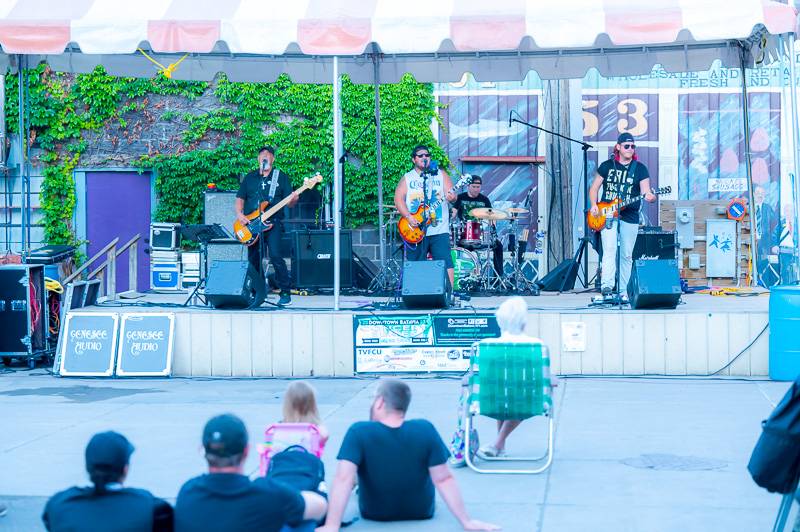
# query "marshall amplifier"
(654, 243)
(312, 259)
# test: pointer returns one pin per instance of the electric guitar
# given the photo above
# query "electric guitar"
(610, 209)
(424, 215)
(248, 234)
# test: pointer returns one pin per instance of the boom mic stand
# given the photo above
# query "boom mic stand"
(585, 148)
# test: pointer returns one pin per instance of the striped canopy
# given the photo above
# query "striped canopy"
(434, 40)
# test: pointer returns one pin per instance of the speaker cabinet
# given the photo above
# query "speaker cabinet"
(312, 259)
(234, 284)
(654, 284)
(425, 284)
(654, 244)
(226, 250)
(560, 278)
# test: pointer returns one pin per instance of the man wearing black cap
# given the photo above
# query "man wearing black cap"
(107, 506)
(471, 199)
(267, 184)
(225, 499)
(621, 177)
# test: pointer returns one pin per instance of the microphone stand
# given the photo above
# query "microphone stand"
(342, 161)
(585, 147)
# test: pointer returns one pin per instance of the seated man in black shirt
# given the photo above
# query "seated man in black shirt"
(225, 499)
(107, 506)
(398, 464)
(474, 199)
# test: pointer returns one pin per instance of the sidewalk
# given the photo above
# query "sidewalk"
(631, 454)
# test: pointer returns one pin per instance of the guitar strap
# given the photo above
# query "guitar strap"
(273, 185)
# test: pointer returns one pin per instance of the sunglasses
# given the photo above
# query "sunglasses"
(421, 155)
(628, 146)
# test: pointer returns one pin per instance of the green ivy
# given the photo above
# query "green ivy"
(297, 119)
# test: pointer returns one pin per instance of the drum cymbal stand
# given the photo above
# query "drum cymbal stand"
(491, 279)
(518, 280)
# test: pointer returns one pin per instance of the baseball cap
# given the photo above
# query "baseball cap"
(476, 180)
(108, 450)
(625, 137)
(225, 435)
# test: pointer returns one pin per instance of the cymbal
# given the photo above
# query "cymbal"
(517, 210)
(484, 213)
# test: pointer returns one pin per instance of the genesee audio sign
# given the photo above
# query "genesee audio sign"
(89, 344)
(145, 345)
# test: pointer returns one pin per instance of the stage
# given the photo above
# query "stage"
(703, 334)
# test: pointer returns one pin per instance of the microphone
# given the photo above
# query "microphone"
(433, 168)
(264, 165)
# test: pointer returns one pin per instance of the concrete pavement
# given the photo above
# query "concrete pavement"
(631, 454)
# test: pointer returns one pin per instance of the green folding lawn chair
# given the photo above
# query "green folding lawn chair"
(510, 381)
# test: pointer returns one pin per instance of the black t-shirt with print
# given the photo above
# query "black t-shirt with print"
(464, 203)
(255, 189)
(619, 183)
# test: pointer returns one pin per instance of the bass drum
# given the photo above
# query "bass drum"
(467, 269)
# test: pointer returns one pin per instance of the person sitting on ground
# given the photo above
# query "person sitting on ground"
(398, 463)
(225, 499)
(300, 406)
(512, 317)
(108, 505)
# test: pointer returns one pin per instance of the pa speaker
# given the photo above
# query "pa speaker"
(425, 284)
(364, 271)
(654, 244)
(312, 259)
(234, 284)
(654, 284)
(560, 278)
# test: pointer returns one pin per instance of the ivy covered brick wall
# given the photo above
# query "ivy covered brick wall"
(192, 133)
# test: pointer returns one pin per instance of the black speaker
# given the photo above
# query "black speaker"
(425, 284)
(312, 259)
(234, 284)
(654, 244)
(560, 278)
(364, 271)
(654, 284)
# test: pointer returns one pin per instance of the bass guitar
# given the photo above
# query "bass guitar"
(610, 209)
(424, 215)
(259, 219)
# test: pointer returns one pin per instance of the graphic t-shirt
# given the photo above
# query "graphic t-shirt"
(435, 191)
(464, 204)
(620, 182)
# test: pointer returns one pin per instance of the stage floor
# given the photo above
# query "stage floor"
(568, 302)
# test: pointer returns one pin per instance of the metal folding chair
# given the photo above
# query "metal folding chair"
(510, 381)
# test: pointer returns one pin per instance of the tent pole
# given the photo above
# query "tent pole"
(748, 169)
(21, 122)
(795, 157)
(337, 179)
(379, 164)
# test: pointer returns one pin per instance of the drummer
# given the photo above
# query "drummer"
(471, 199)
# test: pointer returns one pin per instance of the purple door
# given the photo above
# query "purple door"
(118, 205)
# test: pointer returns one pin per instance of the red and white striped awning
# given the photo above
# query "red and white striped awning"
(413, 33)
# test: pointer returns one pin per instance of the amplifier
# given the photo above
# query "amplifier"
(654, 244)
(312, 259)
(226, 250)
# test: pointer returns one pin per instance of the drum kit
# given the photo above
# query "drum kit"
(477, 250)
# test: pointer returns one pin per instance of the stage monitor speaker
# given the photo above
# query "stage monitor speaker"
(560, 278)
(226, 250)
(654, 244)
(654, 284)
(312, 259)
(425, 284)
(234, 284)
(364, 271)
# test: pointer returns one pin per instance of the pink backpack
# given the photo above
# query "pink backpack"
(279, 436)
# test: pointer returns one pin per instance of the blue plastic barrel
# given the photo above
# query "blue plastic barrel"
(784, 333)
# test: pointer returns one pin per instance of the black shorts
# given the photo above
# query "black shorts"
(438, 245)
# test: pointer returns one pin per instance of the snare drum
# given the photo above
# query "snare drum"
(470, 234)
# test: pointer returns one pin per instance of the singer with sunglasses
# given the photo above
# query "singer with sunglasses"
(267, 184)
(621, 177)
(425, 184)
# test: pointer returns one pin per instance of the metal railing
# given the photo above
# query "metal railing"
(106, 271)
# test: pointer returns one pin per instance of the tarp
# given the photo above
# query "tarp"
(257, 40)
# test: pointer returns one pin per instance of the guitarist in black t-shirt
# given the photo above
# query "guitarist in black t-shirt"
(621, 177)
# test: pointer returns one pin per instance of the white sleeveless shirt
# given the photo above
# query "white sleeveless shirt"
(435, 189)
